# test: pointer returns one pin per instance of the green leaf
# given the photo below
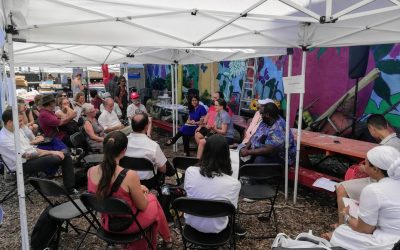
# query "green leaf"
(389, 66)
(381, 51)
(321, 51)
(382, 90)
(219, 76)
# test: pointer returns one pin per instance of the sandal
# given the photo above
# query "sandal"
(327, 236)
(169, 142)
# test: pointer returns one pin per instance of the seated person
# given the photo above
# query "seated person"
(267, 145)
(36, 106)
(34, 160)
(27, 131)
(116, 108)
(255, 121)
(141, 146)
(223, 125)
(96, 100)
(50, 123)
(212, 181)
(196, 112)
(101, 179)
(136, 107)
(65, 110)
(380, 129)
(93, 130)
(29, 121)
(78, 102)
(109, 119)
(209, 119)
(378, 222)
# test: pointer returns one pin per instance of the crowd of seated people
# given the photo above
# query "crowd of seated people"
(264, 142)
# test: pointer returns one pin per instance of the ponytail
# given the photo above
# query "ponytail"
(113, 145)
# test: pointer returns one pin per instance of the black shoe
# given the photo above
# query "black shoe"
(240, 231)
(73, 191)
(169, 142)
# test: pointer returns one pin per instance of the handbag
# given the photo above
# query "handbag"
(303, 240)
(119, 223)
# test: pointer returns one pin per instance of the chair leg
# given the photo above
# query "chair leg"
(8, 195)
(84, 237)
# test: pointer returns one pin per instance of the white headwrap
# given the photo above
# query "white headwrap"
(386, 158)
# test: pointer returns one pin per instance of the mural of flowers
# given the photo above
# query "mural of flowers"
(269, 83)
(231, 76)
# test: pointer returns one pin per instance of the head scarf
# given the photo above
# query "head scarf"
(386, 158)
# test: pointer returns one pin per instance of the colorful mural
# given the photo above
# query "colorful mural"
(190, 76)
(158, 76)
(269, 83)
(385, 97)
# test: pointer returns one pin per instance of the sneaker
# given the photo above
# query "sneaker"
(239, 230)
(248, 200)
(73, 191)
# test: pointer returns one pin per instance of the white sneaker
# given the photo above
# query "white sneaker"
(248, 200)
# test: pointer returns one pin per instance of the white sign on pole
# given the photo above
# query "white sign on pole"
(294, 84)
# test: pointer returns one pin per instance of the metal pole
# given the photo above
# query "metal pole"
(172, 102)
(176, 98)
(290, 64)
(3, 91)
(20, 175)
(299, 122)
(88, 84)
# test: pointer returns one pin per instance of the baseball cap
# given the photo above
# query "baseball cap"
(265, 101)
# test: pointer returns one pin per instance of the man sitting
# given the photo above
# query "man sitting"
(34, 160)
(379, 128)
(116, 108)
(267, 144)
(136, 107)
(141, 146)
(109, 119)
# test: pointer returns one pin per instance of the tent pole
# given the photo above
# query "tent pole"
(353, 8)
(299, 123)
(172, 102)
(88, 83)
(290, 64)
(176, 98)
(20, 175)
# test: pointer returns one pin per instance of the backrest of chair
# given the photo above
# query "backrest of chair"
(204, 208)
(140, 164)
(182, 162)
(47, 187)
(261, 171)
(78, 139)
(109, 205)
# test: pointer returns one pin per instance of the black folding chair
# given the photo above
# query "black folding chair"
(13, 190)
(65, 211)
(182, 163)
(206, 209)
(143, 164)
(78, 140)
(114, 206)
(267, 178)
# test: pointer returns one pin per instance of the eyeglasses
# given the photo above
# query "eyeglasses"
(64, 95)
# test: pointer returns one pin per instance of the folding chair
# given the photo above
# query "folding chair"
(268, 177)
(114, 206)
(206, 209)
(182, 163)
(71, 209)
(14, 190)
(78, 140)
(143, 164)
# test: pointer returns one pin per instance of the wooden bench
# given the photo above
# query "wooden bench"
(307, 177)
(165, 125)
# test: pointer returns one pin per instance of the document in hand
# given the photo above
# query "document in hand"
(353, 204)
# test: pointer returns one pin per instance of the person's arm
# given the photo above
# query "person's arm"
(137, 192)
(357, 224)
(67, 118)
(222, 130)
(89, 131)
(160, 160)
(266, 150)
(31, 121)
(42, 152)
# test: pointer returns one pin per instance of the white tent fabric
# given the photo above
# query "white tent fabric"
(56, 55)
(207, 23)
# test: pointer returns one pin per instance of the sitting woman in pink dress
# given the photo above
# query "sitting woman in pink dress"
(102, 177)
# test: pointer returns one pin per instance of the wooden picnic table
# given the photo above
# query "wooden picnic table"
(335, 144)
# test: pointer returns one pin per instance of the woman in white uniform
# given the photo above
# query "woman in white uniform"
(378, 222)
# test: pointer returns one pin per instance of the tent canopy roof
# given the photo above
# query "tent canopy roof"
(207, 23)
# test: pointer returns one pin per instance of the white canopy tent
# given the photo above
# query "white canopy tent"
(186, 24)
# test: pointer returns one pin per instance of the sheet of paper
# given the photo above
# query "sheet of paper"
(325, 183)
(353, 211)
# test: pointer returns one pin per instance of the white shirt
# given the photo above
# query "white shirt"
(117, 110)
(223, 187)
(391, 140)
(108, 120)
(141, 146)
(130, 111)
(7, 147)
(78, 110)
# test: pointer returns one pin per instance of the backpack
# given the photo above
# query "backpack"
(303, 240)
(44, 233)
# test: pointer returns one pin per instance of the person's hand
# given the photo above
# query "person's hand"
(38, 139)
(58, 154)
(198, 129)
(144, 189)
(244, 152)
(208, 127)
(346, 210)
